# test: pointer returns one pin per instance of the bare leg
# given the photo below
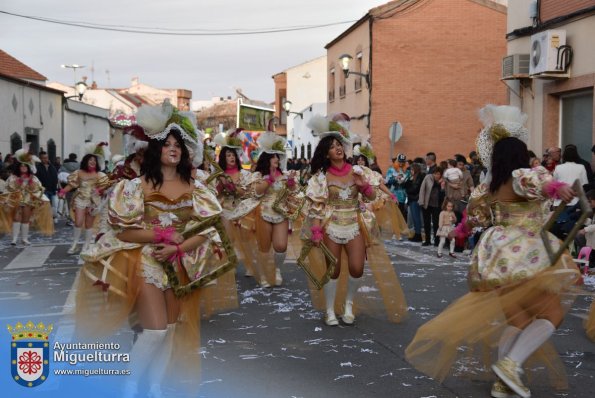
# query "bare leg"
(25, 217)
(356, 253)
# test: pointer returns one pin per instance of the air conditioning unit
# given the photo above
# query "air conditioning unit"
(515, 66)
(544, 51)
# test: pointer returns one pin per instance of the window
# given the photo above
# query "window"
(577, 122)
(358, 68)
(295, 153)
(331, 85)
(16, 142)
(342, 88)
(309, 150)
(302, 151)
(51, 150)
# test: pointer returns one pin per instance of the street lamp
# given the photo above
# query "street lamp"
(345, 60)
(79, 87)
(287, 106)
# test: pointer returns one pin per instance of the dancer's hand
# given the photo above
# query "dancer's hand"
(164, 252)
(177, 238)
(566, 193)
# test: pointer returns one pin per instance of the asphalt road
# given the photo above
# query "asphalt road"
(275, 344)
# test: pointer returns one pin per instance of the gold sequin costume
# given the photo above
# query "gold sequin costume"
(27, 192)
(343, 215)
(85, 195)
(123, 266)
(509, 265)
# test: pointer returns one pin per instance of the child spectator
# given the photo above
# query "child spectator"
(446, 224)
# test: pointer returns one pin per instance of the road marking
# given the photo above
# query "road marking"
(31, 257)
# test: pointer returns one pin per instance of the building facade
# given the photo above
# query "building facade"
(431, 65)
(559, 103)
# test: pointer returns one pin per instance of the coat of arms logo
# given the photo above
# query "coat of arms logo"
(30, 353)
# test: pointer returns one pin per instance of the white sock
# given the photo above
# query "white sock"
(352, 285)
(452, 245)
(330, 291)
(441, 244)
(77, 236)
(16, 229)
(279, 259)
(530, 339)
(161, 360)
(25, 232)
(143, 351)
(89, 235)
(507, 339)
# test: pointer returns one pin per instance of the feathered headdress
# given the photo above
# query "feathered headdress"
(101, 152)
(136, 139)
(323, 127)
(23, 156)
(157, 121)
(365, 150)
(231, 139)
(500, 121)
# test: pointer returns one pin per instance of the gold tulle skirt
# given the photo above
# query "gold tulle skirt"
(379, 293)
(103, 309)
(590, 322)
(463, 339)
(390, 219)
(42, 218)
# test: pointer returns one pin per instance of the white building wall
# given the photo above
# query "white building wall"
(306, 85)
(24, 107)
(84, 123)
(301, 133)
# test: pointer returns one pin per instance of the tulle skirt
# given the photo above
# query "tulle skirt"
(463, 339)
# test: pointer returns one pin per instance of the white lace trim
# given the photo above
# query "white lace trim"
(273, 218)
(342, 235)
(153, 275)
(163, 135)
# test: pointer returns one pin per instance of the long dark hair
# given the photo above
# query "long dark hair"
(357, 158)
(320, 160)
(509, 154)
(263, 166)
(571, 154)
(223, 160)
(151, 166)
(16, 168)
(85, 162)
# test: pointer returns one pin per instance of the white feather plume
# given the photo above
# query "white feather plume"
(319, 124)
(219, 139)
(153, 118)
(266, 140)
(356, 151)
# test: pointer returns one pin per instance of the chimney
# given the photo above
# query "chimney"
(94, 85)
(134, 81)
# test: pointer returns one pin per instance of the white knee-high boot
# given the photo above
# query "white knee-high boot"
(25, 234)
(352, 285)
(16, 229)
(89, 236)
(75, 242)
(330, 291)
(279, 261)
(160, 362)
(141, 355)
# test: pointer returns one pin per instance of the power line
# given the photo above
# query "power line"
(175, 32)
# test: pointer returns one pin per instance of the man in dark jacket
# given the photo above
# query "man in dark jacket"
(48, 176)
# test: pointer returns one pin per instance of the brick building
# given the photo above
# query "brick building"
(432, 64)
(559, 103)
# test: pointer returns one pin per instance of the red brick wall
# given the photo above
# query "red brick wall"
(549, 9)
(432, 69)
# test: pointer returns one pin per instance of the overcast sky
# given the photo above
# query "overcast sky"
(207, 65)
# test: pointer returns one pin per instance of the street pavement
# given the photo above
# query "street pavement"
(275, 344)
